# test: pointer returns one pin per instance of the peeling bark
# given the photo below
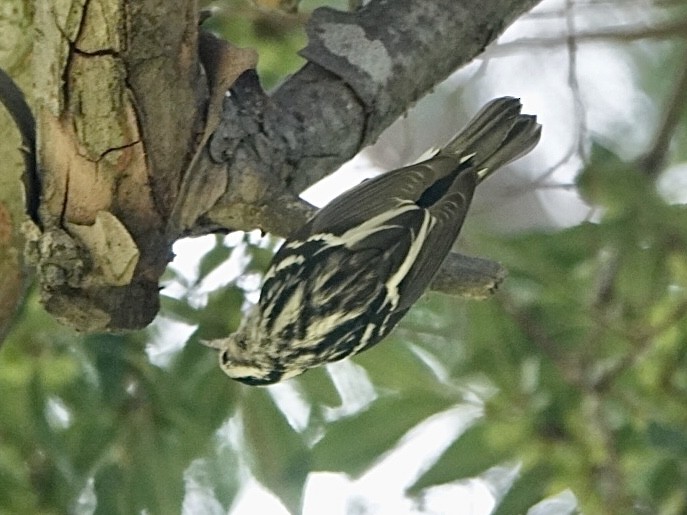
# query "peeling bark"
(120, 104)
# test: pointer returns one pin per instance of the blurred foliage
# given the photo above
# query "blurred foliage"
(276, 35)
(579, 365)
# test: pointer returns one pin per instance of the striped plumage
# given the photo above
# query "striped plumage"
(343, 281)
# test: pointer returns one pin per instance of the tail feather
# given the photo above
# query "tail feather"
(495, 136)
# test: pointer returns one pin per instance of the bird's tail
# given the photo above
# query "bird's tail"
(495, 136)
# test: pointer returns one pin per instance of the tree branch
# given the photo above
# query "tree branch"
(366, 68)
(652, 163)
(129, 166)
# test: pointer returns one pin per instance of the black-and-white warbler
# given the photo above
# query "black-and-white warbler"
(343, 281)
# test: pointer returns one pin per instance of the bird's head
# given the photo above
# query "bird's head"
(247, 362)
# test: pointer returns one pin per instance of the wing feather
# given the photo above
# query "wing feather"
(448, 214)
(383, 193)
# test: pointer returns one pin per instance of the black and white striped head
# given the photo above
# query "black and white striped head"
(245, 362)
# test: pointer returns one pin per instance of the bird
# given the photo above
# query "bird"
(340, 283)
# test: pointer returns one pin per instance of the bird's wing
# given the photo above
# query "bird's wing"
(379, 194)
(447, 215)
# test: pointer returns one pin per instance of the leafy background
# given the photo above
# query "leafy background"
(565, 391)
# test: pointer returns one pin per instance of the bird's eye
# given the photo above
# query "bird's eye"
(241, 342)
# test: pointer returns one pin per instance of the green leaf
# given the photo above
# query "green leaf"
(278, 457)
(670, 439)
(318, 390)
(528, 489)
(222, 314)
(470, 455)
(618, 186)
(217, 256)
(261, 258)
(666, 478)
(394, 367)
(352, 444)
(277, 39)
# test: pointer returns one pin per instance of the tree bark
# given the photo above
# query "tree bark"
(139, 144)
(15, 51)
